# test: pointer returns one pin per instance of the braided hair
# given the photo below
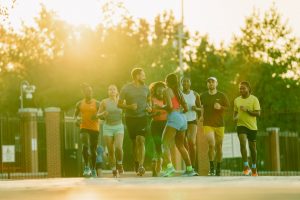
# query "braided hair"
(172, 82)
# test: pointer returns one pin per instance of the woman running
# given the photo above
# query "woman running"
(175, 127)
(158, 123)
(113, 129)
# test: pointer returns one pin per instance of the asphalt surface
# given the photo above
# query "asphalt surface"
(148, 188)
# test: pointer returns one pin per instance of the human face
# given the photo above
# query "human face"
(159, 92)
(88, 92)
(186, 84)
(212, 84)
(141, 77)
(244, 91)
(112, 91)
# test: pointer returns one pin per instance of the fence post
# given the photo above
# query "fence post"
(53, 138)
(274, 150)
(29, 134)
(202, 151)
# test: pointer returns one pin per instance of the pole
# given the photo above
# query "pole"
(180, 41)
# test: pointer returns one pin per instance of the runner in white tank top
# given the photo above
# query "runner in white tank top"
(192, 99)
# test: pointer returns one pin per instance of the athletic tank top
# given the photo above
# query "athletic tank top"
(190, 100)
(163, 113)
(175, 102)
(114, 113)
(88, 111)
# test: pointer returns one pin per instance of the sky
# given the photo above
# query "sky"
(218, 18)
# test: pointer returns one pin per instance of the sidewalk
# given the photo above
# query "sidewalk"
(148, 188)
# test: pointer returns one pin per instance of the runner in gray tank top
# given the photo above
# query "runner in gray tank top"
(113, 129)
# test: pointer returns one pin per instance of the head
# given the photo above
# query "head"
(87, 91)
(245, 88)
(138, 75)
(212, 83)
(113, 91)
(186, 83)
(157, 89)
(172, 81)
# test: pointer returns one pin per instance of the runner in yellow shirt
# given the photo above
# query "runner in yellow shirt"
(246, 109)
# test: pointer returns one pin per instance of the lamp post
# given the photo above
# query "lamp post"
(180, 37)
(27, 90)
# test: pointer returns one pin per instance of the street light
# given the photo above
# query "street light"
(27, 90)
(180, 37)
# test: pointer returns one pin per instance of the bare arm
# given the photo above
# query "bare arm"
(254, 113)
(102, 110)
(77, 110)
(167, 98)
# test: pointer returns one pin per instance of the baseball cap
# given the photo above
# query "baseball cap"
(212, 78)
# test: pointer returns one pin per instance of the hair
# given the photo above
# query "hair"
(135, 72)
(172, 82)
(247, 84)
(85, 86)
(185, 78)
(153, 87)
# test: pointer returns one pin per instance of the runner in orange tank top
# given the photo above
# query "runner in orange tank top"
(89, 129)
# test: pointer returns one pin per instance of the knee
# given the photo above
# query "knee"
(140, 140)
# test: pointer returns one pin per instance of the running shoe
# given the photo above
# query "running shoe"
(190, 173)
(254, 172)
(87, 171)
(211, 172)
(247, 171)
(120, 168)
(141, 171)
(115, 173)
(94, 173)
(169, 172)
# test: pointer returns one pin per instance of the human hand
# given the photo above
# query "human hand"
(132, 106)
(217, 106)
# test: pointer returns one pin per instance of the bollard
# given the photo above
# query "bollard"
(274, 150)
(202, 151)
(29, 139)
(52, 120)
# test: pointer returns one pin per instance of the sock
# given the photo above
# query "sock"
(170, 165)
(189, 168)
(253, 166)
(218, 165)
(211, 164)
(119, 162)
(246, 164)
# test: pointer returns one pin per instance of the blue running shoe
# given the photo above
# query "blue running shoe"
(169, 172)
(87, 171)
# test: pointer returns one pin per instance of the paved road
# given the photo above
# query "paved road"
(148, 188)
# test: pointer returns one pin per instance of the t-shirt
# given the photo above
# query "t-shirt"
(135, 94)
(244, 119)
(211, 116)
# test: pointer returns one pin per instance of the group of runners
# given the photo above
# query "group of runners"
(175, 114)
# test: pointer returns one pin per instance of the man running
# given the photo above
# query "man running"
(192, 99)
(135, 99)
(246, 109)
(214, 104)
(89, 129)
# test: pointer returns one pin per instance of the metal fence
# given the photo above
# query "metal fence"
(13, 147)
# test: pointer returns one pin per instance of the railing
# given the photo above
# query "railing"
(14, 151)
